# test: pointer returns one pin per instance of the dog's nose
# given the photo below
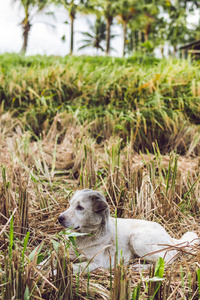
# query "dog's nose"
(60, 218)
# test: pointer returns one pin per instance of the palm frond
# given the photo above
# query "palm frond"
(86, 34)
(84, 41)
(85, 46)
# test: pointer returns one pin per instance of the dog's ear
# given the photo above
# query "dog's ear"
(99, 203)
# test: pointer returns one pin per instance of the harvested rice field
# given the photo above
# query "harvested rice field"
(132, 134)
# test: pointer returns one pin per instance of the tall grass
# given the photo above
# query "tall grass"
(51, 146)
(118, 97)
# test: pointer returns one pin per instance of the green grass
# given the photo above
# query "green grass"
(19, 60)
(129, 97)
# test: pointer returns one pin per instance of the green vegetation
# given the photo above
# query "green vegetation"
(135, 100)
(146, 24)
(126, 127)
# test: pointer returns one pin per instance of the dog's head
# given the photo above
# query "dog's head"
(88, 211)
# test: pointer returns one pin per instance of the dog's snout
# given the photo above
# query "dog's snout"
(61, 218)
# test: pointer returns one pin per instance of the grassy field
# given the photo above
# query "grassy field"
(126, 127)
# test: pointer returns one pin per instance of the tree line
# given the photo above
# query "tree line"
(146, 24)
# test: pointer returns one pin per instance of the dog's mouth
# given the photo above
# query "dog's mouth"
(76, 228)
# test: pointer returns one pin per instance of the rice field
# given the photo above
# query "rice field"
(127, 128)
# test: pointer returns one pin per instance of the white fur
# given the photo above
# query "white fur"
(135, 238)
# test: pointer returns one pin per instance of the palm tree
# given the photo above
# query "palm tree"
(149, 24)
(139, 16)
(127, 9)
(72, 6)
(108, 9)
(95, 36)
(31, 8)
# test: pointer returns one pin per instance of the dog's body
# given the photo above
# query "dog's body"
(89, 213)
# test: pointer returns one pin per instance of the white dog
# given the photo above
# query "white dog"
(89, 213)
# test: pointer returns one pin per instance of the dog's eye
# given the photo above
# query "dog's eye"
(79, 207)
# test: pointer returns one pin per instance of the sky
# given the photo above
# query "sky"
(45, 39)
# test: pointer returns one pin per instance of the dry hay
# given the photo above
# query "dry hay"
(127, 180)
(43, 226)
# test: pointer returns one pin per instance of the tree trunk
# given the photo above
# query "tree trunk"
(146, 36)
(162, 51)
(139, 39)
(124, 37)
(134, 42)
(174, 52)
(26, 28)
(72, 36)
(147, 32)
(108, 25)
